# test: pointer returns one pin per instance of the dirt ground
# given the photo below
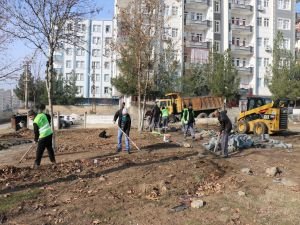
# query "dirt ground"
(92, 184)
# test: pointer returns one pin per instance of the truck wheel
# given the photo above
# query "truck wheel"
(260, 128)
(172, 118)
(202, 115)
(243, 127)
(212, 115)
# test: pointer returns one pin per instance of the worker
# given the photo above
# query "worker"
(155, 117)
(124, 124)
(42, 136)
(165, 117)
(184, 111)
(225, 129)
(118, 114)
(189, 121)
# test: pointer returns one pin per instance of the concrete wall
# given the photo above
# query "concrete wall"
(80, 110)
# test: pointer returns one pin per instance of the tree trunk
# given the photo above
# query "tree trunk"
(49, 92)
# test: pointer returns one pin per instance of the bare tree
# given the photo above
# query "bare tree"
(47, 25)
(138, 45)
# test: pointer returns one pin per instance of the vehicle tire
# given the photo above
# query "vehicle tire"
(243, 127)
(172, 118)
(260, 128)
(202, 115)
(212, 115)
(64, 124)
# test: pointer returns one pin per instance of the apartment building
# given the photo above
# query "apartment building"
(90, 59)
(5, 99)
(247, 27)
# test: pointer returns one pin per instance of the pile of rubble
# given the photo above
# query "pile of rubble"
(244, 141)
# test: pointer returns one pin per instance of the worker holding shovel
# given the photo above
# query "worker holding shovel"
(124, 124)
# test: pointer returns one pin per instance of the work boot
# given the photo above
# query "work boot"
(35, 166)
(118, 150)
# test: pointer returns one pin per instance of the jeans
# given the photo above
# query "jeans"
(224, 143)
(120, 135)
(165, 121)
(189, 127)
(43, 143)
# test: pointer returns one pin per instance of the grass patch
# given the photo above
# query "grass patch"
(10, 202)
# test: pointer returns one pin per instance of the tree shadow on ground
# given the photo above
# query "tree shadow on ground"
(73, 177)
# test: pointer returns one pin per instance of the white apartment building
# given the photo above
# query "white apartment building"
(90, 60)
(247, 27)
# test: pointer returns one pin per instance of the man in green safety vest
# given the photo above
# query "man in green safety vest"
(165, 117)
(188, 119)
(42, 136)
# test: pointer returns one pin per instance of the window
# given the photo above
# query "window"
(266, 42)
(217, 26)
(79, 76)
(95, 65)
(107, 41)
(266, 62)
(259, 21)
(196, 37)
(69, 51)
(237, 61)
(106, 90)
(266, 3)
(68, 76)
(237, 21)
(283, 24)
(106, 65)
(68, 64)
(217, 6)
(244, 62)
(259, 2)
(79, 64)
(80, 90)
(266, 22)
(166, 31)
(107, 28)
(106, 52)
(80, 52)
(96, 52)
(96, 40)
(232, 20)
(96, 28)
(286, 24)
(217, 45)
(259, 62)
(284, 4)
(259, 41)
(97, 90)
(97, 77)
(81, 27)
(174, 32)
(244, 22)
(174, 10)
(286, 43)
(167, 10)
(196, 16)
(106, 77)
(69, 26)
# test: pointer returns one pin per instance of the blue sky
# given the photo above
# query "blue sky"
(18, 51)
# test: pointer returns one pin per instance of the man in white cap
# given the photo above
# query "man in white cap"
(124, 124)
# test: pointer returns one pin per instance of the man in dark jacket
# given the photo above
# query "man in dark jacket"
(42, 136)
(124, 125)
(188, 119)
(118, 114)
(155, 117)
(225, 129)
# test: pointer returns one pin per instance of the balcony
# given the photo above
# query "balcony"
(241, 29)
(197, 24)
(196, 5)
(241, 50)
(245, 70)
(241, 8)
(197, 44)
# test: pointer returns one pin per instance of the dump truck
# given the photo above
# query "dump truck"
(203, 106)
(263, 116)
